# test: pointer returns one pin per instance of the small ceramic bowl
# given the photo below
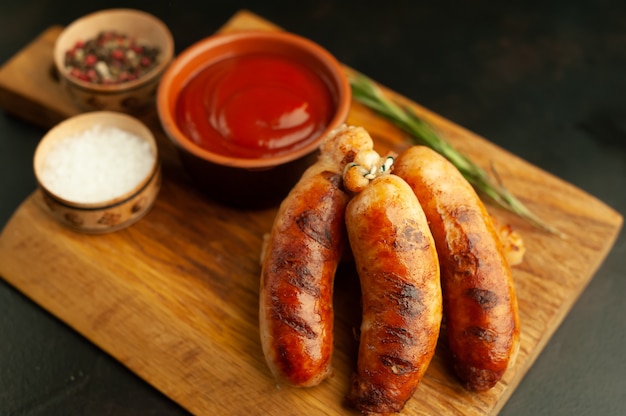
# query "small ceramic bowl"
(233, 178)
(131, 96)
(98, 172)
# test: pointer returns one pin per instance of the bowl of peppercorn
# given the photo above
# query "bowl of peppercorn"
(113, 60)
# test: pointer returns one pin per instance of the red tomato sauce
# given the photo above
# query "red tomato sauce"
(254, 106)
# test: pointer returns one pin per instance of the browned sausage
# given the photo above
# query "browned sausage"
(480, 303)
(299, 261)
(398, 270)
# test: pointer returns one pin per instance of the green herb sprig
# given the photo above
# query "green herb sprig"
(365, 91)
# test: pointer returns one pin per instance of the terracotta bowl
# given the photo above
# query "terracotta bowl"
(135, 96)
(249, 181)
(67, 199)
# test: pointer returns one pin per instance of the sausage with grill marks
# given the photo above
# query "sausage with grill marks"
(398, 270)
(299, 261)
(479, 298)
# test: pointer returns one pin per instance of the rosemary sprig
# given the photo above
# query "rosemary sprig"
(367, 93)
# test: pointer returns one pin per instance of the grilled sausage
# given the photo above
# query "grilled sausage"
(480, 303)
(398, 270)
(299, 261)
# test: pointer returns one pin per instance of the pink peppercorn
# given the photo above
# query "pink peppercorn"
(118, 54)
(92, 75)
(116, 57)
(90, 60)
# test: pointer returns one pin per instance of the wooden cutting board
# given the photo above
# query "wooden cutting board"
(174, 297)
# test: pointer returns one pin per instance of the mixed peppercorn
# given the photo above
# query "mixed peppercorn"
(110, 58)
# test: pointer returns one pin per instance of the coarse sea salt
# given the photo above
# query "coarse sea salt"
(97, 165)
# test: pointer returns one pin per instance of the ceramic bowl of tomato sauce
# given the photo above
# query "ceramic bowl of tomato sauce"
(247, 112)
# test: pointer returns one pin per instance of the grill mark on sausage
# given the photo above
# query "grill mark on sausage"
(316, 223)
(485, 298)
(370, 396)
(284, 358)
(461, 246)
(293, 271)
(482, 334)
(315, 227)
(410, 237)
(335, 179)
(462, 214)
(464, 264)
(397, 335)
(349, 157)
(397, 365)
(290, 318)
(406, 296)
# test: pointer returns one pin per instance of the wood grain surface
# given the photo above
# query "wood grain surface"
(175, 296)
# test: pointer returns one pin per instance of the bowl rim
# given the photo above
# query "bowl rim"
(167, 52)
(93, 117)
(336, 73)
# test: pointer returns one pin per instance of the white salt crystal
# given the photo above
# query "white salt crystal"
(96, 165)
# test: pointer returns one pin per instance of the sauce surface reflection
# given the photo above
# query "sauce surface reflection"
(254, 106)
